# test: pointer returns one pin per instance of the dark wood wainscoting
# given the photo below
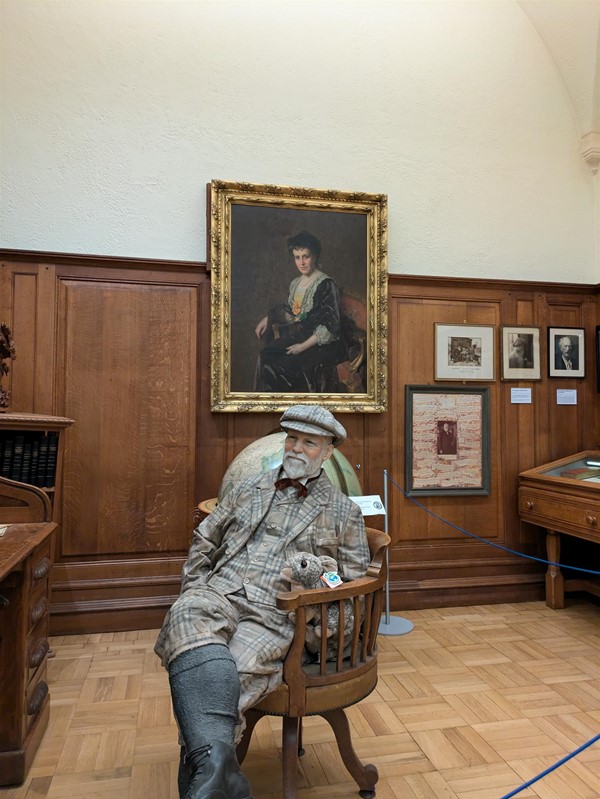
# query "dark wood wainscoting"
(122, 346)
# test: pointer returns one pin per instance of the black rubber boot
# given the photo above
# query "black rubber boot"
(216, 774)
(184, 775)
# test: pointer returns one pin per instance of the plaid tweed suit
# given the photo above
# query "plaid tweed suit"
(232, 574)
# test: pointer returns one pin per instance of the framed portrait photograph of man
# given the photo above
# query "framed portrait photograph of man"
(298, 298)
(566, 352)
(521, 353)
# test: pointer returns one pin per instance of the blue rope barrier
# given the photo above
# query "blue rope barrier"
(551, 768)
(529, 557)
(483, 540)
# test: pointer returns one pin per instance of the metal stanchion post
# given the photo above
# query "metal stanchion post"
(390, 625)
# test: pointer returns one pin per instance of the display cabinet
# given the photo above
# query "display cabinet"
(564, 497)
(25, 561)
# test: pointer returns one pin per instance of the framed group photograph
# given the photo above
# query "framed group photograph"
(566, 352)
(298, 298)
(447, 441)
(521, 353)
(464, 352)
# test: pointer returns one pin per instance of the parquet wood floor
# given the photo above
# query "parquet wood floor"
(471, 704)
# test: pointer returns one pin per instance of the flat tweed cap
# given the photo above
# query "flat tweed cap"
(313, 419)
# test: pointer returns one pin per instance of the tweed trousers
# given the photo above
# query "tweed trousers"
(258, 637)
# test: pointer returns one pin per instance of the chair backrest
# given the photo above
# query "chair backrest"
(355, 654)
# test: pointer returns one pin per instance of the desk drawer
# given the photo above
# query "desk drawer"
(563, 513)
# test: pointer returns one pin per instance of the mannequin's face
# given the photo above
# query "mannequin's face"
(304, 454)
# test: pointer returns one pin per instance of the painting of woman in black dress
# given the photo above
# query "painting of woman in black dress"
(303, 339)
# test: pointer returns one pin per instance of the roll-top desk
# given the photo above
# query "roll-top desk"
(564, 497)
(25, 563)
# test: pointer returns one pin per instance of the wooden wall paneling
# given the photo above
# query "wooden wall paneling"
(430, 558)
(127, 370)
(27, 306)
(124, 549)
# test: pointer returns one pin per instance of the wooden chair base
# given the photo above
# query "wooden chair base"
(365, 776)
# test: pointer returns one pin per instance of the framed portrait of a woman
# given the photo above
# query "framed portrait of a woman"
(298, 298)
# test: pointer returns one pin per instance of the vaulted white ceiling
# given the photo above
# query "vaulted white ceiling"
(570, 30)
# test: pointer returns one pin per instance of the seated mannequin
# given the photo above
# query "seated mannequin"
(224, 640)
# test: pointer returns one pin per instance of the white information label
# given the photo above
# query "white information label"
(370, 506)
(566, 396)
(520, 396)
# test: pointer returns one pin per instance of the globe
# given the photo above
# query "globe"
(267, 453)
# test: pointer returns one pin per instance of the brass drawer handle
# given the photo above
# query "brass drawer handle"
(591, 520)
(39, 610)
(39, 653)
(37, 700)
(529, 505)
(42, 569)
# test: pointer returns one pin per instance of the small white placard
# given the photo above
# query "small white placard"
(371, 505)
(520, 396)
(566, 396)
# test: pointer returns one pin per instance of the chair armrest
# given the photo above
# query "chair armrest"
(291, 600)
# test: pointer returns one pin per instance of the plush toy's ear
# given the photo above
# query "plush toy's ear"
(328, 564)
(286, 573)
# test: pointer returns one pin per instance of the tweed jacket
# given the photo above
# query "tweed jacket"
(325, 523)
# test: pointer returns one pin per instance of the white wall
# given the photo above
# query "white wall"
(116, 113)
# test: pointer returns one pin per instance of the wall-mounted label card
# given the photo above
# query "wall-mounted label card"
(371, 505)
(520, 396)
(566, 396)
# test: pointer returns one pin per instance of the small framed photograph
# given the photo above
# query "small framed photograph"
(521, 353)
(447, 441)
(464, 352)
(566, 352)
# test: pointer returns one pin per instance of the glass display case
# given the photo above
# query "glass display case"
(564, 497)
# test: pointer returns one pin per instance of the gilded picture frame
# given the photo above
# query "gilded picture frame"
(447, 441)
(287, 331)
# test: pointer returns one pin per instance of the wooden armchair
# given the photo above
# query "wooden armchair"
(327, 687)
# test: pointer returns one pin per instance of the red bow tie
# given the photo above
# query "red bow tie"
(285, 482)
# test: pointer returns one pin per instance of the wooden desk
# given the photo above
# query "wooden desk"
(563, 505)
(25, 561)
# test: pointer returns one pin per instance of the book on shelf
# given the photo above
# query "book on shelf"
(51, 462)
(35, 456)
(26, 463)
(40, 475)
(7, 456)
(17, 458)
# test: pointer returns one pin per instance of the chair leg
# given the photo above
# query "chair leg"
(365, 776)
(242, 748)
(289, 756)
(300, 747)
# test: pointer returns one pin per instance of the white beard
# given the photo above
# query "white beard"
(299, 466)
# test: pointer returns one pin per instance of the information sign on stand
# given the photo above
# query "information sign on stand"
(373, 506)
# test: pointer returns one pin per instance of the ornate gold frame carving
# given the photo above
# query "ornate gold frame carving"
(244, 271)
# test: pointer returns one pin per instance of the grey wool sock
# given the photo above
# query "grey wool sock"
(205, 689)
